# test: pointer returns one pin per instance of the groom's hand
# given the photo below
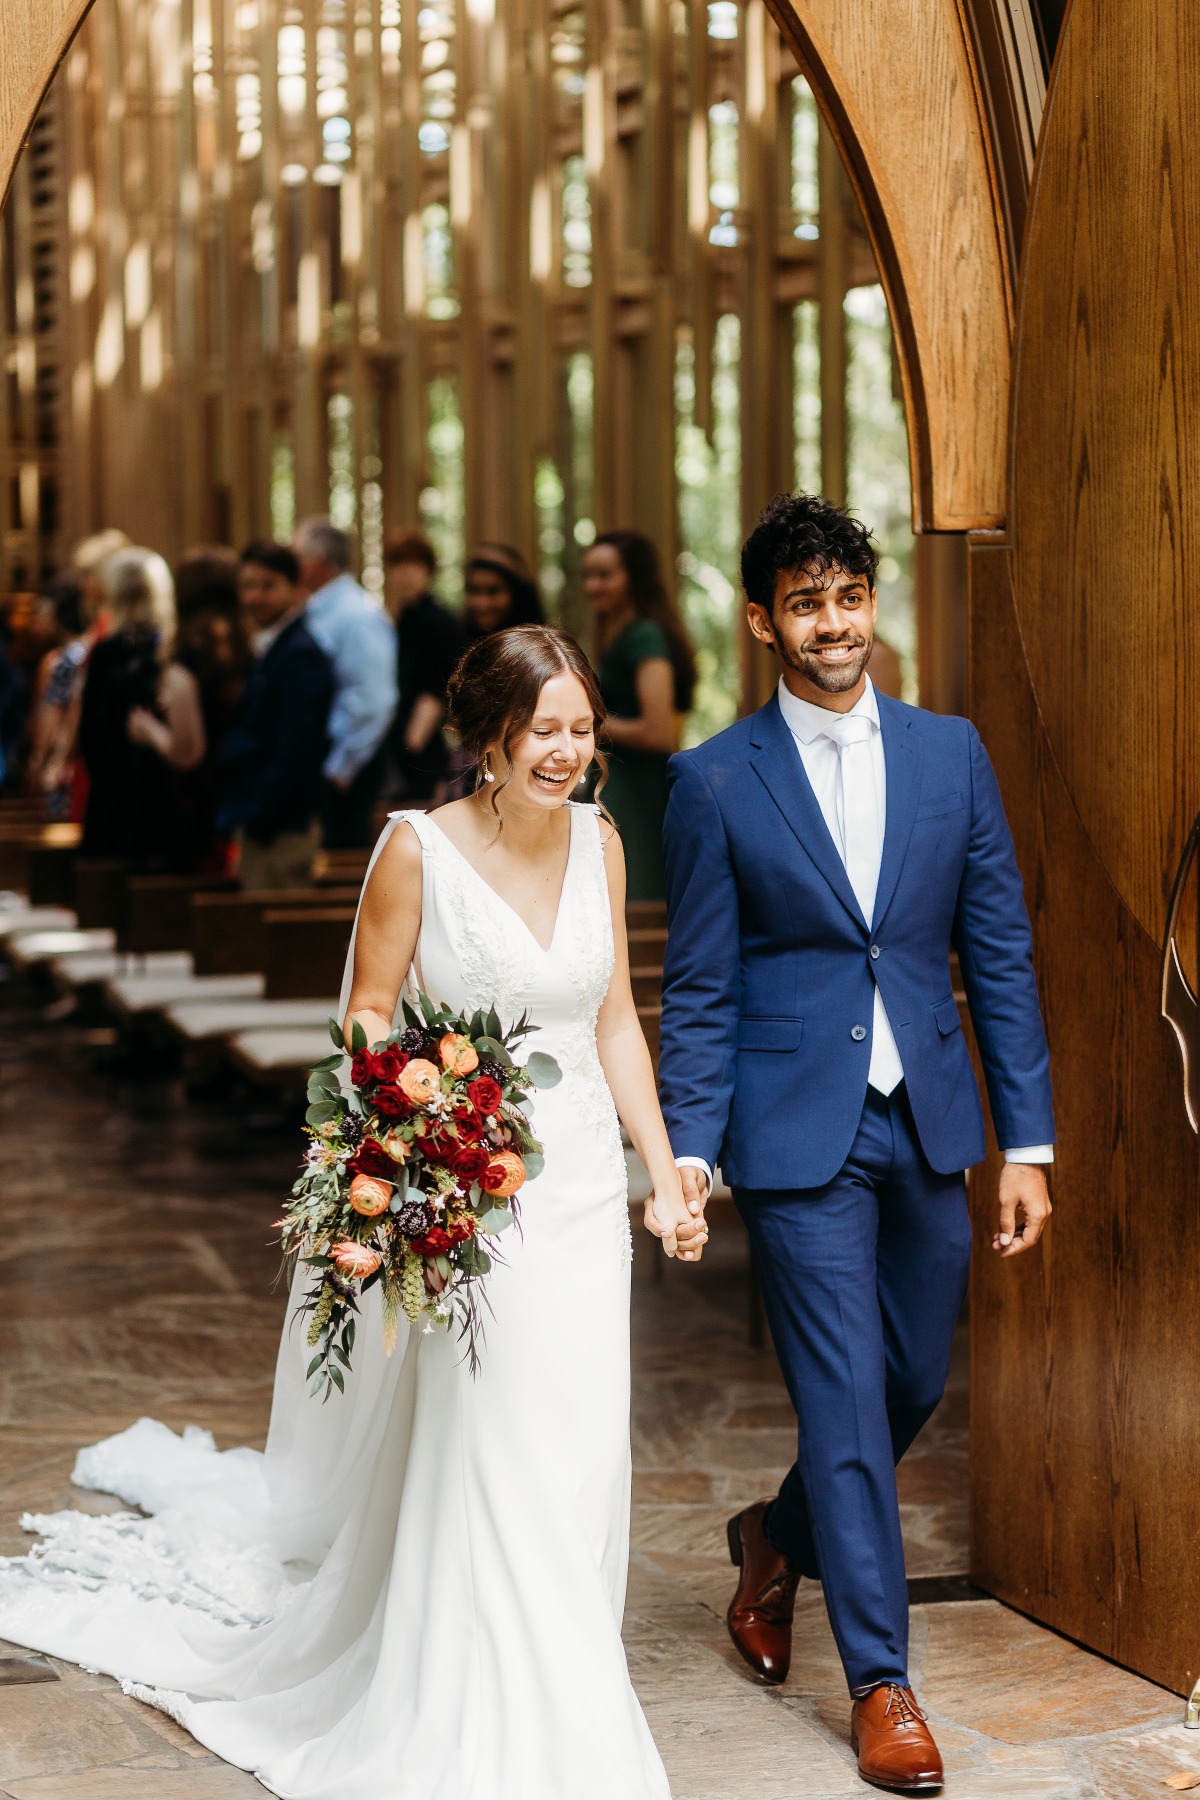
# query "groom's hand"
(695, 1190)
(1024, 1207)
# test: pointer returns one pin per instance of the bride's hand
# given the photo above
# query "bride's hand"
(668, 1217)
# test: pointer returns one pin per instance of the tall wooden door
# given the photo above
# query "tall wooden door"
(1085, 620)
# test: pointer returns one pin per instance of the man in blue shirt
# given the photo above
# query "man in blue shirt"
(358, 638)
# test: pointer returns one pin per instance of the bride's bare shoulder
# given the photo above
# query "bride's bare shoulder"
(398, 865)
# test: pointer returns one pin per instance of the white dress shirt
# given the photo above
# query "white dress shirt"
(843, 759)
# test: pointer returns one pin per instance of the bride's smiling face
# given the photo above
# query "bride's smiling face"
(552, 755)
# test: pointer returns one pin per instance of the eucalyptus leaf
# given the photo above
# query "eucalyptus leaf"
(358, 1037)
(335, 1032)
(543, 1071)
(495, 1220)
(494, 1048)
(335, 1375)
(534, 1162)
(323, 1113)
(313, 1366)
(328, 1063)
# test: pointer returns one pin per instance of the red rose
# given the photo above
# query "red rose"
(470, 1125)
(486, 1094)
(362, 1069)
(435, 1242)
(391, 1103)
(470, 1161)
(437, 1146)
(390, 1062)
(371, 1159)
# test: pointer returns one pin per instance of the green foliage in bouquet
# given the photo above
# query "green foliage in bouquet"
(419, 1149)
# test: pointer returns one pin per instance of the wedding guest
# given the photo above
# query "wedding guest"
(647, 673)
(426, 652)
(88, 559)
(140, 723)
(213, 643)
(269, 778)
(356, 635)
(55, 724)
(498, 591)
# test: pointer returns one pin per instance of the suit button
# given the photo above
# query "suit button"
(858, 1033)
(874, 952)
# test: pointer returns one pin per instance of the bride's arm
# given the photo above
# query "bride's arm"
(629, 1072)
(388, 924)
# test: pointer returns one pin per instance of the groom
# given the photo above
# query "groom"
(823, 858)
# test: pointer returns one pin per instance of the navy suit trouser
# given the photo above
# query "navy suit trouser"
(863, 1280)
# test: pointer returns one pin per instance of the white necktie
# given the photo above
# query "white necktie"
(862, 853)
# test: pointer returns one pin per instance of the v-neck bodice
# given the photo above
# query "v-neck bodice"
(572, 840)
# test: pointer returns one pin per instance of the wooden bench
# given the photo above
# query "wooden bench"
(228, 936)
(306, 951)
(20, 838)
(158, 911)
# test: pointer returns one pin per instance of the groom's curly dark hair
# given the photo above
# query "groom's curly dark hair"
(802, 531)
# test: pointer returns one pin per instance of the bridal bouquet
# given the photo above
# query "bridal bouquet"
(412, 1174)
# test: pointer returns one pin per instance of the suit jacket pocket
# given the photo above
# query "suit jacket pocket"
(946, 1015)
(938, 804)
(769, 1034)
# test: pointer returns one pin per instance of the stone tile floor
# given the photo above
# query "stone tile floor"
(136, 1275)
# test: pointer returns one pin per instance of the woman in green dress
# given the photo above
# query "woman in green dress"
(647, 673)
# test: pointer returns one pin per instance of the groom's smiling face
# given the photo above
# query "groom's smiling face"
(822, 627)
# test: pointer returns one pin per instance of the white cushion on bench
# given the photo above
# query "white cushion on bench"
(23, 917)
(86, 966)
(29, 947)
(151, 993)
(197, 1020)
(280, 1052)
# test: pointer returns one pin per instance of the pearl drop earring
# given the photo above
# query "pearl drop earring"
(487, 769)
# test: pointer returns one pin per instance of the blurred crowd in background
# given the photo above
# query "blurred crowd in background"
(247, 710)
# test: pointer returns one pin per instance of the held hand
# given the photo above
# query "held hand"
(1024, 1208)
(695, 1190)
(668, 1218)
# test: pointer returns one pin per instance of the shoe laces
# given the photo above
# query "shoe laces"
(901, 1707)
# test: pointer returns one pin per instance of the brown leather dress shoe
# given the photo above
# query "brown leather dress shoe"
(893, 1743)
(760, 1613)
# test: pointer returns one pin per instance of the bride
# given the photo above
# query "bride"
(417, 1592)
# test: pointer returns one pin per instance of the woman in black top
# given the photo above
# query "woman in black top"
(426, 652)
(498, 591)
(141, 724)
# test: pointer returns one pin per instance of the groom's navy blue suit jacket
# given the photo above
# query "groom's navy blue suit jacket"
(771, 968)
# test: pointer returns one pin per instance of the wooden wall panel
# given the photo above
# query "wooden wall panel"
(1106, 495)
(898, 84)
(33, 37)
(1085, 1414)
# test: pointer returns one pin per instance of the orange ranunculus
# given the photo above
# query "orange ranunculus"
(369, 1196)
(458, 1054)
(397, 1148)
(420, 1080)
(355, 1260)
(503, 1175)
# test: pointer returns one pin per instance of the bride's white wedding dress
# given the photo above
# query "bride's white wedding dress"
(417, 1593)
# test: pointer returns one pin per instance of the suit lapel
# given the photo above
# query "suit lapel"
(776, 761)
(902, 759)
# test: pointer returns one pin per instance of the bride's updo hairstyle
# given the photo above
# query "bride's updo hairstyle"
(494, 692)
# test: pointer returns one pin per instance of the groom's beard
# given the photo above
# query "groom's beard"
(831, 678)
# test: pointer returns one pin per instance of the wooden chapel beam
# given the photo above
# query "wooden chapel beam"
(899, 88)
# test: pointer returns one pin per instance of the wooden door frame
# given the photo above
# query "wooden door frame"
(913, 130)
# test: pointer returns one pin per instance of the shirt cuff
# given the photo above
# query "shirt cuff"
(1036, 1153)
(696, 1162)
